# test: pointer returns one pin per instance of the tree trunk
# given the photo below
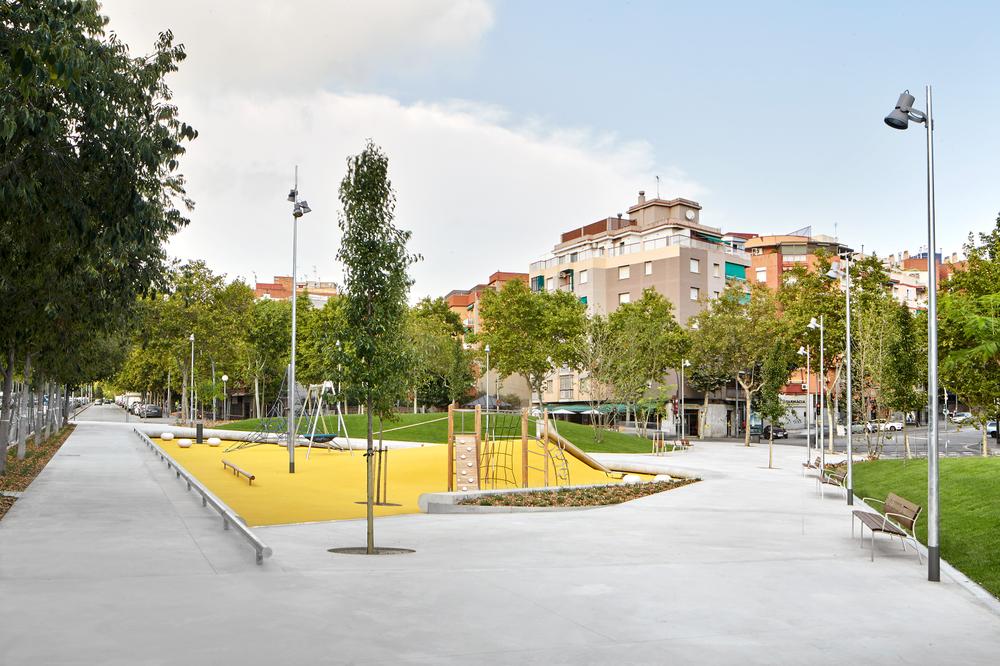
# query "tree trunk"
(986, 448)
(770, 449)
(256, 395)
(22, 435)
(184, 397)
(415, 400)
(66, 406)
(746, 420)
(5, 409)
(704, 418)
(371, 482)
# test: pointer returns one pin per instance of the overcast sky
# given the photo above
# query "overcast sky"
(507, 122)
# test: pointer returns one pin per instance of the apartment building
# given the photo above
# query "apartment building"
(658, 244)
(909, 275)
(772, 256)
(319, 292)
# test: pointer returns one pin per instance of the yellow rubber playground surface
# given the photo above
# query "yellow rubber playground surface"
(328, 484)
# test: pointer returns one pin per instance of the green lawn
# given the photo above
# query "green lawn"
(434, 428)
(970, 508)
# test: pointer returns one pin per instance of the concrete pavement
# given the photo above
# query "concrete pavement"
(107, 559)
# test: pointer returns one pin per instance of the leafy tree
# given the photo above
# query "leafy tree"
(708, 371)
(268, 334)
(651, 342)
(530, 333)
(438, 308)
(745, 327)
(777, 367)
(599, 358)
(904, 370)
(376, 282)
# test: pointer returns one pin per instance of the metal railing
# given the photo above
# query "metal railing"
(228, 517)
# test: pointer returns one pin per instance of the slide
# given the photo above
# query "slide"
(575, 451)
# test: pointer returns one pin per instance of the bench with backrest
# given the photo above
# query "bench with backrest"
(238, 472)
(831, 477)
(899, 519)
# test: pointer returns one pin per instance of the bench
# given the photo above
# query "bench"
(828, 477)
(811, 465)
(238, 472)
(900, 519)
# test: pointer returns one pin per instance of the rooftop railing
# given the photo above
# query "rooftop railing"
(633, 248)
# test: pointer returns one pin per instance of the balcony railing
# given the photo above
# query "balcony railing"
(633, 248)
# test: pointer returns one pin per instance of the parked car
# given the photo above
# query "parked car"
(779, 432)
(991, 430)
(99, 401)
(891, 426)
(961, 417)
(150, 411)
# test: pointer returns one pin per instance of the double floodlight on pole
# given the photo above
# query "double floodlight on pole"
(225, 398)
(487, 388)
(299, 209)
(899, 118)
(684, 364)
(846, 276)
(813, 324)
(804, 351)
(191, 404)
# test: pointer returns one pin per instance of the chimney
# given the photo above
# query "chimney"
(642, 197)
(954, 257)
(906, 255)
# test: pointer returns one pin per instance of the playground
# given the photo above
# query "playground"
(494, 450)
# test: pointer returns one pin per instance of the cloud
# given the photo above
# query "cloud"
(479, 193)
(288, 45)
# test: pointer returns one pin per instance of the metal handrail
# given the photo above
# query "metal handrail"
(207, 497)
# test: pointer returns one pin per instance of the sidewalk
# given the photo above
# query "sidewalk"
(107, 559)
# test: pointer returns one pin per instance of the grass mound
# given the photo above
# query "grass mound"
(970, 508)
(596, 496)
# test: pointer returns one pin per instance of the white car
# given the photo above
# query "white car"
(960, 417)
(991, 429)
(891, 426)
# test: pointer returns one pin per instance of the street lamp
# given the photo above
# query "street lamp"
(684, 364)
(899, 118)
(225, 398)
(804, 351)
(846, 275)
(338, 377)
(299, 209)
(487, 388)
(191, 400)
(813, 324)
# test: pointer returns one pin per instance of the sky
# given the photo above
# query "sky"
(507, 122)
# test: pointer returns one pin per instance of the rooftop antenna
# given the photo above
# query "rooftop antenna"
(657, 187)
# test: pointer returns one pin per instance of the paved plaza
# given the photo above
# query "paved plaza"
(108, 559)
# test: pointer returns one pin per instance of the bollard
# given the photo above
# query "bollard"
(199, 432)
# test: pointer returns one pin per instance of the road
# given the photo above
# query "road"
(112, 413)
(952, 441)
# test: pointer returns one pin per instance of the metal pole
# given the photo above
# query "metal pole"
(808, 405)
(291, 367)
(487, 389)
(191, 413)
(822, 387)
(682, 399)
(933, 517)
(850, 399)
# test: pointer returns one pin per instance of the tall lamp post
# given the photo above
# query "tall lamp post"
(225, 398)
(299, 209)
(804, 351)
(813, 324)
(899, 118)
(191, 400)
(684, 364)
(846, 275)
(487, 388)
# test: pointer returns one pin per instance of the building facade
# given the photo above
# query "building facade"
(319, 292)
(772, 256)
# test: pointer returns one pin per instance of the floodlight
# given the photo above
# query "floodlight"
(802, 351)
(899, 118)
(225, 378)
(304, 206)
(686, 363)
(813, 324)
(292, 194)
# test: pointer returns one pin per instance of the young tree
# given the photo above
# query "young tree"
(777, 367)
(904, 370)
(531, 334)
(376, 282)
(598, 360)
(651, 342)
(708, 371)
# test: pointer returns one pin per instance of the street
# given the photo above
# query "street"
(110, 412)
(952, 441)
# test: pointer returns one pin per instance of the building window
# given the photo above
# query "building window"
(695, 293)
(715, 270)
(584, 276)
(695, 266)
(624, 298)
(761, 275)
(566, 387)
(648, 268)
(624, 272)
(550, 284)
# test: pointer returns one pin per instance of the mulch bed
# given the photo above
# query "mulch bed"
(20, 473)
(598, 496)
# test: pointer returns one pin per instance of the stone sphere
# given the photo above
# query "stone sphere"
(631, 478)
(167, 436)
(214, 441)
(184, 443)
(662, 477)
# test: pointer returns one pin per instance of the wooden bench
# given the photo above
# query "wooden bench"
(238, 472)
(811, 465)
(828, 477)
(900, 519)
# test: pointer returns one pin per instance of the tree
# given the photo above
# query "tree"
(531, 333)
(376, 282)
(598, 361)
(904, 371)
(708, 371)
(777, 367)
(745, 327)
(651, 342)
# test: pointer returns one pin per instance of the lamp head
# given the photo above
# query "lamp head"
(487, 349)
(686, 363)
(225, 378)
(802, 351)
(292, 194)
(191, 337)
(304, 207)
(813, 323)
(899, 118)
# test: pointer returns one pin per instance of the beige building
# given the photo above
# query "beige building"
(659, 244)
